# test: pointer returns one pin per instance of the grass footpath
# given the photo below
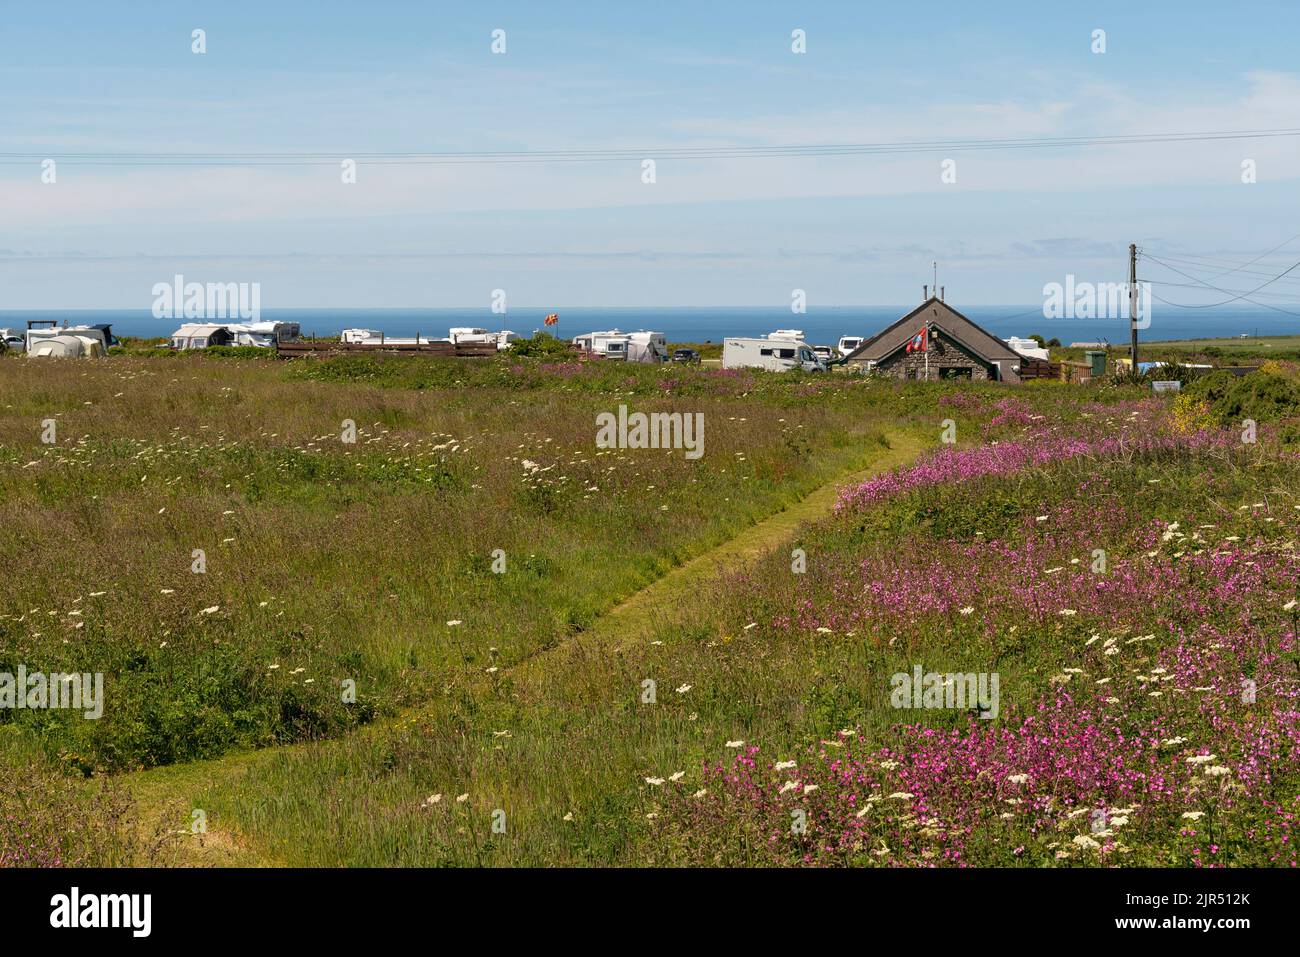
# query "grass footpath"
(238, 791)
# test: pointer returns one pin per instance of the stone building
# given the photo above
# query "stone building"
(956, 348)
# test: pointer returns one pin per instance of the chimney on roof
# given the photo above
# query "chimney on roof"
(925, 293)
(941, 293)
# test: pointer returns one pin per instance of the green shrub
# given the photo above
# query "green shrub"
(542, 345)
(1255, 396)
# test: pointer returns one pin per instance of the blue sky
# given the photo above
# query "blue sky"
(345, 78)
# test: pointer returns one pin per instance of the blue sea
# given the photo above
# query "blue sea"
(821, 325)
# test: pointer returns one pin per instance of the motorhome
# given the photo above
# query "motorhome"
(197, 335)
(795, 335)
(776, 355)
(266, 334)
(106, 328)
(611, 344)
(847, 344)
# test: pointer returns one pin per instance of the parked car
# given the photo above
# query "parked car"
(685, 355)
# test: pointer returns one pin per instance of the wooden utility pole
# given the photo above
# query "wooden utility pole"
(1133, 305)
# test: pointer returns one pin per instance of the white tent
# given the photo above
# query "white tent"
(67, 342)
(194, 335)
(64, 346)
(645, 346)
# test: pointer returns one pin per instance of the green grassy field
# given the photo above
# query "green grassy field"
(1248, 351)
(1251, 345)
(648, 624)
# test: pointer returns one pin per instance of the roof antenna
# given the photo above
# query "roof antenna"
(936, 276)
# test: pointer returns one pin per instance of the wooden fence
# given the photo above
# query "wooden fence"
(1078, 372)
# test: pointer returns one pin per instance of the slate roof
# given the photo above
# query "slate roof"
(942, 316)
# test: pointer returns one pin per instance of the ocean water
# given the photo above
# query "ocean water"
(821, 325)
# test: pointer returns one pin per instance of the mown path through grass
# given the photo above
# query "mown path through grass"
(671, 598)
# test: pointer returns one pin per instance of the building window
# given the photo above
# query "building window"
(955, 372)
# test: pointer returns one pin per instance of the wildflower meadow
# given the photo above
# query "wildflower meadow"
(472, 636)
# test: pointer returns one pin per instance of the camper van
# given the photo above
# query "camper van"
(777, 355)
(847, 344)
(604, 345)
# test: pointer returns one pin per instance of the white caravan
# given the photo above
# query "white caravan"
(847, 344)
(611, 344)
(373, 337)
(473, 334)
(776, 355)
(645, 346)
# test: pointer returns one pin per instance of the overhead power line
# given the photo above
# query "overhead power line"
(1287, 298)
(1225, 302)
(485, 157)
(1235, 298)
(1179, 305)
(1216, 269)
(1262, 255)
